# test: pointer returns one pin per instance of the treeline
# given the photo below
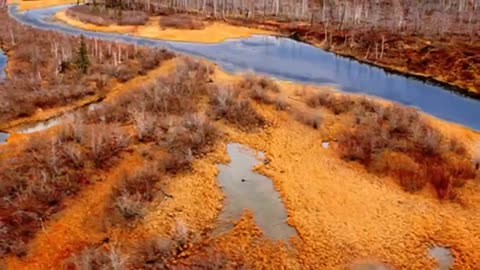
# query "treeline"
(416, 15)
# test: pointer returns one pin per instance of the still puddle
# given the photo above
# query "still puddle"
(246, 189)
(443, 256)
(3, 137)
(326, 144)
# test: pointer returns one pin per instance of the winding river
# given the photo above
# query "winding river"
(287, 59)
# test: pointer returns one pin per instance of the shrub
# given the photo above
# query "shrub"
(281, 103)
(250, 81)
(134, 190)
(193, 136)
(396, 141)
(153, 253)
(312, 119)
(97, 258)
(226, 104)
(106, 16)
(195, 132)
(181, 21)
(105, 145)
(259, 88)
(144, 125)
(400, 166)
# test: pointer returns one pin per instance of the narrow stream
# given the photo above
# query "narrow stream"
(40, 126)
(287, 59)
(245, 189)
(3, 65)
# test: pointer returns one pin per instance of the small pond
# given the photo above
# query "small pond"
(3, 137)
(443, 256)
(245, 189)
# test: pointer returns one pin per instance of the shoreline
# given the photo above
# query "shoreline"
(185, 36)
(213, 33)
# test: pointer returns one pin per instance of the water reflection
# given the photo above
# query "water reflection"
(291, 60)
(245, 189)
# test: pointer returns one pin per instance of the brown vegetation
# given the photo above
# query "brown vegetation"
(45, 75)
(99, 15)
(182, 21)
(395, 140)
(134, 191)
(227, 103)
(35, 182)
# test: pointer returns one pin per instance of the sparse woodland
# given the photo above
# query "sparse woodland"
(53, 72)
(434, 38)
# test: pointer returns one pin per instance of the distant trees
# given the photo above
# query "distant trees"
(82, 62)
(397, 14)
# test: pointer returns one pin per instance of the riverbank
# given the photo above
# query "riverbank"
(343, 215)
(450, 63)
(213, 32)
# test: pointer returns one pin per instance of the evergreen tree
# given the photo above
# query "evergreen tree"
(82, 61)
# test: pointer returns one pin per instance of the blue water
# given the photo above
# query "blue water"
(287, 59)
(3, 65)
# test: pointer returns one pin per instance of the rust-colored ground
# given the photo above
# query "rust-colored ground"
(342, 213)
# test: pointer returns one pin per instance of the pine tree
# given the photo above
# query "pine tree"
(82, 61)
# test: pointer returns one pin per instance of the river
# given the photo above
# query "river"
(287, 59)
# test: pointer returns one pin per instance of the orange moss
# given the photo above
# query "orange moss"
(342, 213)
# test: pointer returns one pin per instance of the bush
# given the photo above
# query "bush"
(259, 88)
(312, 119)
(193, 136)
(105, 145)
(154, 253)
(134, 191)
(281, 103)
(97, 258)
(396, 141)
(227, 104)
(181, 21)
(107, 16)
